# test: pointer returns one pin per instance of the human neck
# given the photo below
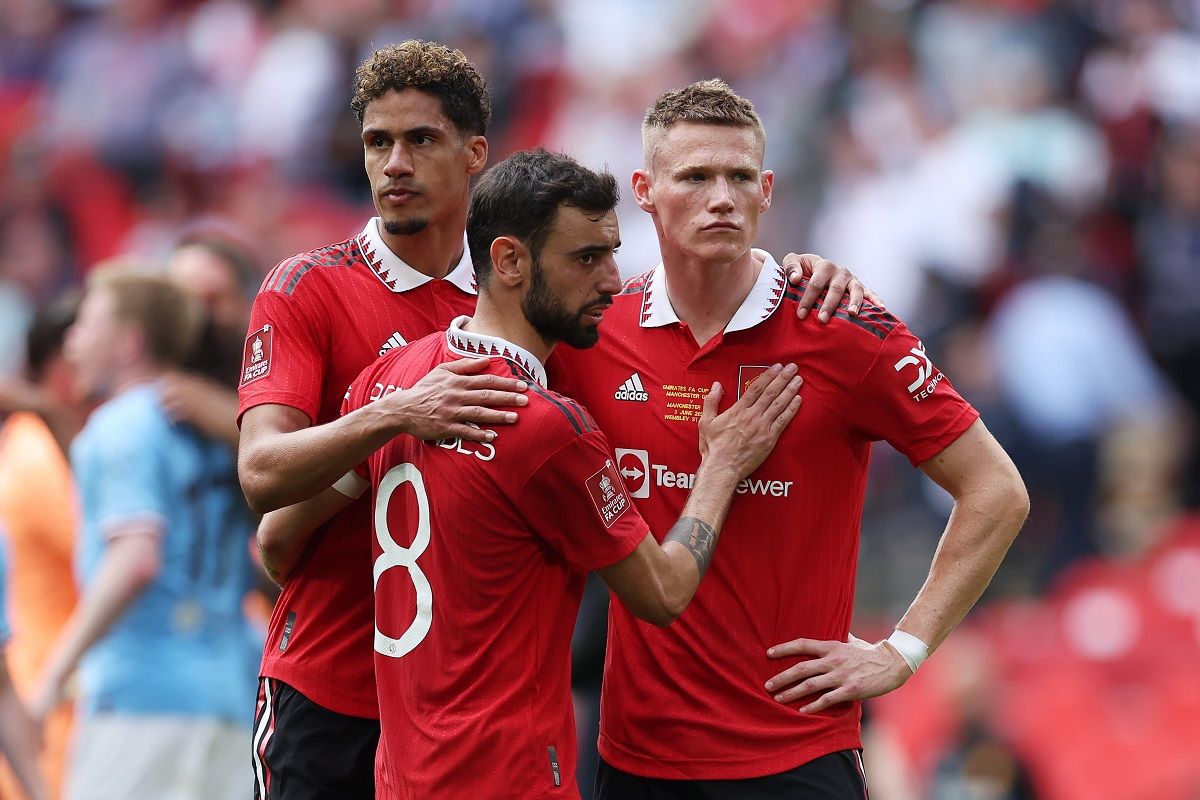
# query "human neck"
(434, 251)
(494, 317)
(133, 376)
(707, 294)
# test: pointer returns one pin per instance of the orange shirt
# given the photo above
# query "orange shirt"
(38, 511)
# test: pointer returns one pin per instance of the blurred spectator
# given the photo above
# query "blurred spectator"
(1169, 241)
(159, 634)
(1071, 366)
(220, 274)
(18, 736)
(38, 509)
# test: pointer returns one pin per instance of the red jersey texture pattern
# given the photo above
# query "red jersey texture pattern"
(318, 320)
(687, 701)
(481, 550)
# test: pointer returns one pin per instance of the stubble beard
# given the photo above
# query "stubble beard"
(407, 227)
(553, 321)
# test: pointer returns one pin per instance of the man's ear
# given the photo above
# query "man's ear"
(477, 154)
(642, 190)
(768, 184)
(510, 260)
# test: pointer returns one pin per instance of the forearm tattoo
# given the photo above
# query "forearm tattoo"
(698, 537)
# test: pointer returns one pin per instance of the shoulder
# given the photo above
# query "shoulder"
(296, 274)
(871, 321)
(556, 418)
(130, 424)
(637, 284)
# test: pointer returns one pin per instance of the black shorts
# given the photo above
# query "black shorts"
(837, 776)
(303, 751)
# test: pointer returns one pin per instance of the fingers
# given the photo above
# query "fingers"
(712, 401)
(769, 391)
(783, 402)
(822, 273)
(856, 297)
(873, 298)
(471, 433)
(833, 296)
(798, 267)
(491, 398)
(787, 414)
(465, 366)
(841, 694)
(801, 647)
(817, 683)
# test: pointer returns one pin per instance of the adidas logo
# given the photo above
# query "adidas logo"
(395, 340)
(632, 389)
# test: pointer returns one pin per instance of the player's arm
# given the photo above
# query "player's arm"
(131, 561)
(284, 533)
(282, 460)
(656, 582)
(990, 505)
(828, 278)
(19, 737)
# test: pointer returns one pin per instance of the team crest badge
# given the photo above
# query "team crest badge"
(748, 375)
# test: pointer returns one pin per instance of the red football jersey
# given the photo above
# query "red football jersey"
(481, 550)
(687, 701)
(318, 320)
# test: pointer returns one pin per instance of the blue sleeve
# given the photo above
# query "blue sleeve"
(129, 471)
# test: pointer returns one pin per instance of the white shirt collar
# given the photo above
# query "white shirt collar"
(474, 345)
(399, 276)
(762, 301)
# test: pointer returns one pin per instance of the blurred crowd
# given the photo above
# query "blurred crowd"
(1018, 179)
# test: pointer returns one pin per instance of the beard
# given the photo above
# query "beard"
(407, 227)
(552, 320)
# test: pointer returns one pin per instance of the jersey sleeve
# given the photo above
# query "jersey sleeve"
(576, 502)
(129, 472)
(283, 359)
(906, 400)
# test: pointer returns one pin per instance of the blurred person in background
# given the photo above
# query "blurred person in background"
(159, 634)
(38, 508)
(222, 275)
(1169, 245)
(18, 734)
(1072, 380)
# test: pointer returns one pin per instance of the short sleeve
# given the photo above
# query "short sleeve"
(906, 400)
(128, 475)
(283, 357)
(575, 501)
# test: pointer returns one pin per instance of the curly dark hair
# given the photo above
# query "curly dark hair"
(431, 68)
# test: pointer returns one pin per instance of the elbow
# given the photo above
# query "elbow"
(1016, 503)
(145, 571)
(663, 607)
(272, 551)
(261, 494)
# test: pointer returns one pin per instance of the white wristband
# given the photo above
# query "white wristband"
(911, 649)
